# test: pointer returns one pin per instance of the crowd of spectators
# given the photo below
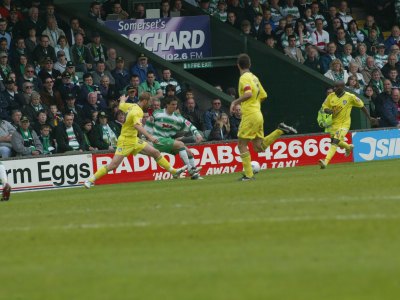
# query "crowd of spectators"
(60, 83)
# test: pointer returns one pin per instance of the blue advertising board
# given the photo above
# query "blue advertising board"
(170, 38)
(376, 145)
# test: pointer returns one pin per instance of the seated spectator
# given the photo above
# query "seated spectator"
(31, 41)
(119, 119)
(346, 57)
(235, 120)
(292, 51)
(308, 20)
(95, 12)
(361, 58)
(276, 11)
(394, 38)
(376, 81)
(221, 11)
(320, 37)
(29, 76)
(6, 132)
(91, 105)
(98, 50)
(87, 135)
(383, 97)
(372, 41)
(16, 116)
(20, 49)
(303, 35)
(5, 69)
(266, 33)
(245, 28)
(370, 23)
(155, 105)
(370, 96)
(142, 67)
(44, 50)
(134, 82)
(369, 68)
(53, 32)
(67, 87)
(62, 45)
(221, 129)
(70, 107)
(212, 114)
(111, 59)
(107, 90)
(256, 27)
(151, 85)
(55, 116)
(14, 99)
(48, 70)
(390, 114)
(101, 71)
(341, 39)
(73, 29)
(285, 36)
(291, 9)
(139, 11)
(168, 79)
(68, 135)
(315, 12)
(391, 63)
(193, 114)
(21, 66)
(355, 34)
(232, 20)
(395, 50)
(80, 55)
(394, 79)
(117, 9)
(353, 85)
(50, 95)
(344, 15)
(177, 7)
(380, 57)
(30, 111)
(61, 63)
(4, 33)
(326, 59)
(312, 60)
(88, 87)
(71, 70)
(25, 141)
(132, 93)
(48, 144)
(105, 135)
(337, 72)
(41, 119)
(120, 74)
(32, 21)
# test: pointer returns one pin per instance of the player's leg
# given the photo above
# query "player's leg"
(342, 144)
(4, 181)
(161, 161)
(274, 135)
(337, 136)
(193, 169)
(102, 171)
(246, 159)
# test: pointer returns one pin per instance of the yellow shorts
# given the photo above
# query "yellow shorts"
(339, 133)
(251, 127)
(126, 147)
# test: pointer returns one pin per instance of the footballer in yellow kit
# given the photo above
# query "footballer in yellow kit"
(251, 128)
(129, 142)
(339, 104)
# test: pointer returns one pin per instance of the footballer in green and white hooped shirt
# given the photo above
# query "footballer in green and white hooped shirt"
(164, 125)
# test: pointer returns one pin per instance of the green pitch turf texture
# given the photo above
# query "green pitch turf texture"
(300, 233)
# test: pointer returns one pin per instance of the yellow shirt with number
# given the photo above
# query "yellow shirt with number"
(341, 107)
(249, 82)
(134, 115)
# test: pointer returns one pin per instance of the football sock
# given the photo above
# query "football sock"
(344, 145)
(331, 153)
(100, 173)
(191, 161)
(269, 139)
(246, 161)
(183, 154)
(3, 174)
(161, 161)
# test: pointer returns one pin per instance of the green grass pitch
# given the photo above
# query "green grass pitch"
(296, 233)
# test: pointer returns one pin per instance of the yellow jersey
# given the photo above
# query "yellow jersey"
(133, 116)
(341, 107)
(249, 82)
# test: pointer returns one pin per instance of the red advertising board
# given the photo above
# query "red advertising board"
(224, 158)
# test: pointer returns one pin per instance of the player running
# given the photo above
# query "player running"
(129, 143)
(339, 104)
(165, 124)
(251, 128)
(6, 186)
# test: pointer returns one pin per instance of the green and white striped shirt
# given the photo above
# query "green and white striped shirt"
(166, 125)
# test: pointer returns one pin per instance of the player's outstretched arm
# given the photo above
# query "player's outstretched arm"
(143, 131)
(123, 98)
